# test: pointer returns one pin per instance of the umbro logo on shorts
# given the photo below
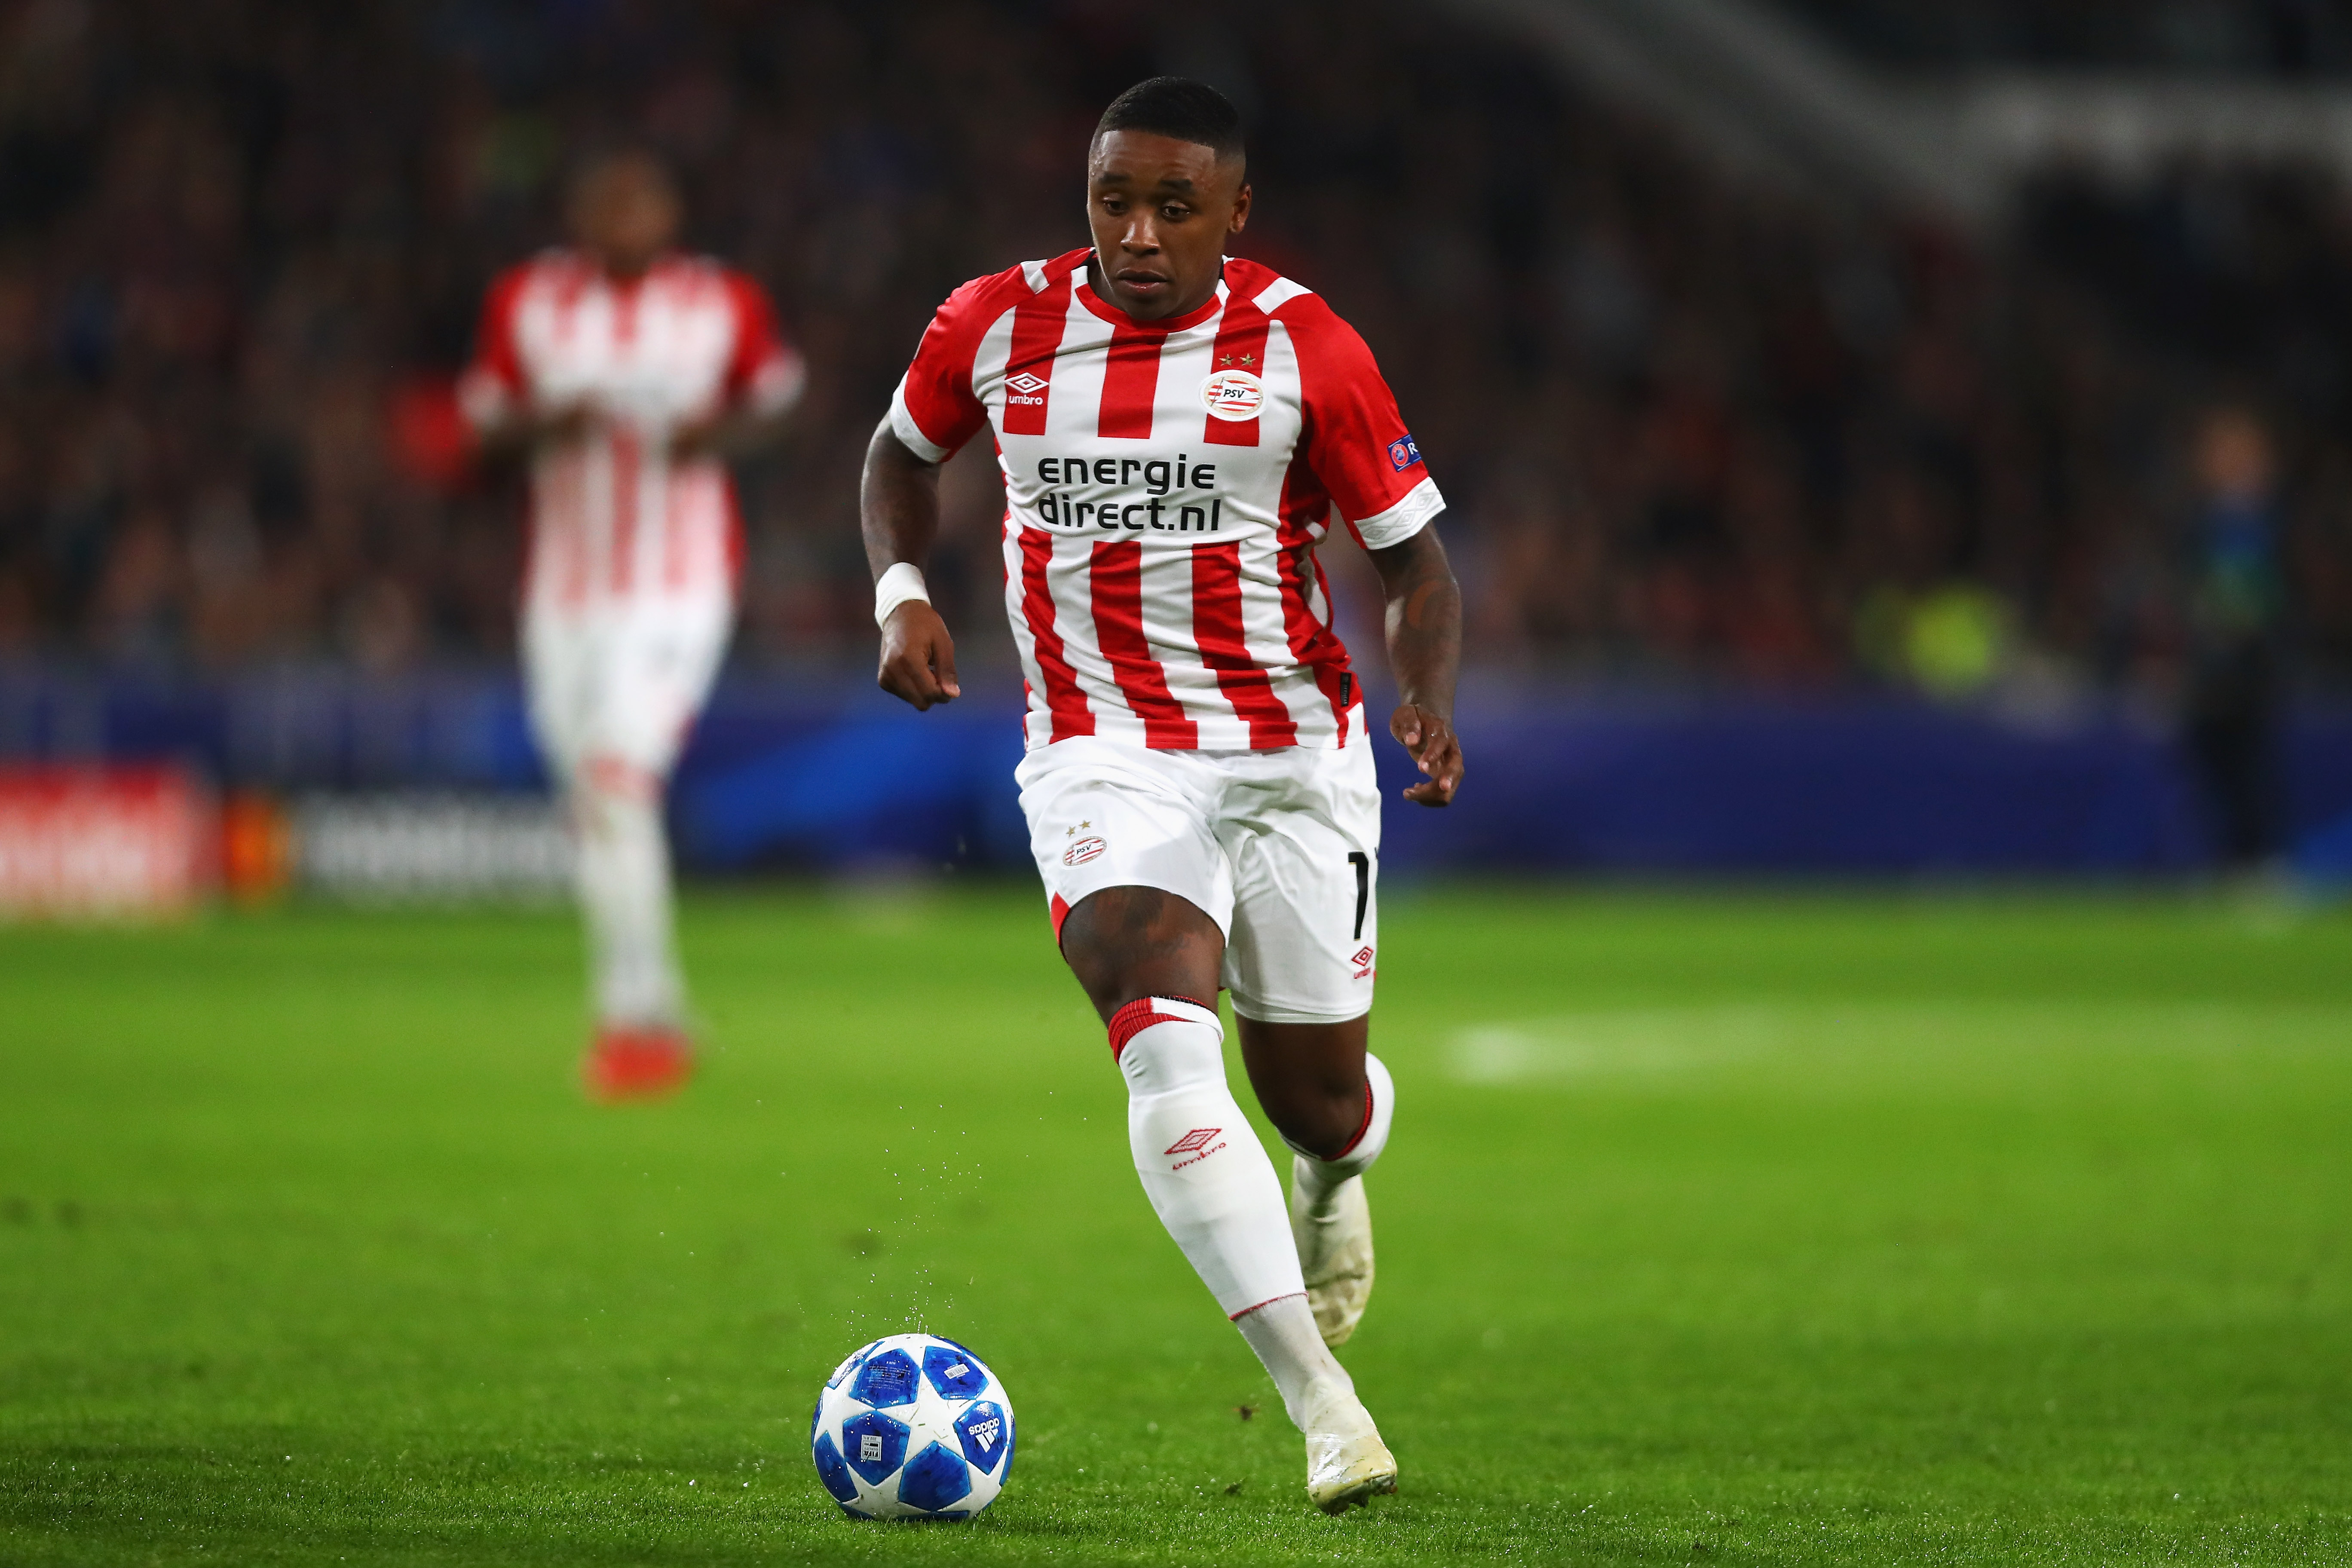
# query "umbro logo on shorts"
(1362, 960)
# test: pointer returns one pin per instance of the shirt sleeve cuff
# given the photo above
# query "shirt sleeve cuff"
(1403, 521)
(902, 424)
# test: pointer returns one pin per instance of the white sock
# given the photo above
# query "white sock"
(624, 890)
(1283, 1334)
(1202, 1167)
(1319, 1178)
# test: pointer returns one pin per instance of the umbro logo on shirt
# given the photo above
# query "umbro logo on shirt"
(1024, 387)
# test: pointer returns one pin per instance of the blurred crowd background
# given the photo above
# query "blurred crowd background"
(1690, 426)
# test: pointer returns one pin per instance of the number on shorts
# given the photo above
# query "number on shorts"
(1363, 865)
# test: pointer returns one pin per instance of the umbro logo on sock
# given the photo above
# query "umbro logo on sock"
(1196, 1146)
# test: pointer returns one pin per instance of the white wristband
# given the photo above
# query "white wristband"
(902, 582)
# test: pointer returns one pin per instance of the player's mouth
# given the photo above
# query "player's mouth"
(1149, 285)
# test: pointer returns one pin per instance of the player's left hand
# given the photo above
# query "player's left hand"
(1435, 746)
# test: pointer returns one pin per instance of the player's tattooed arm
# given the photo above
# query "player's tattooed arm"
(898, 511)
(1424, 639)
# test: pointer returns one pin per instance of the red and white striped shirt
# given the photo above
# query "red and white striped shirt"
(1166, 484)
(612, 518)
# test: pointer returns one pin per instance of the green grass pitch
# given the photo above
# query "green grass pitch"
(1733, 1228)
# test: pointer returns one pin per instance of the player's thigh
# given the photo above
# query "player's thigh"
(1102, 816)
(1305, 851)
(663, 660)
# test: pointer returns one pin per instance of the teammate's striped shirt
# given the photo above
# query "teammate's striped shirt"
(611, 519)
(1166, 484)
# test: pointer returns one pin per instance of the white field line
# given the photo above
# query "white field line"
(1652, 1040)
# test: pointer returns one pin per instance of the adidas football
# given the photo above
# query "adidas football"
(912, 1426)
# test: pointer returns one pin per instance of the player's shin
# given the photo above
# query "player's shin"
(624, 889)
(1202, 1167)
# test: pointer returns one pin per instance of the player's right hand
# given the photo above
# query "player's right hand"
(918, 656)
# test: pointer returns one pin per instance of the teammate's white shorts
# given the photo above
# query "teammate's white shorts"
(1280, 847)
(622, 682)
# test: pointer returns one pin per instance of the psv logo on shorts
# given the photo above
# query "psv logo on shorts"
(1084, 851)
(1233, 394)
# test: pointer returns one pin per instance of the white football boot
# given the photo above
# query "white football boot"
(1346, 1463)
(1335, 1253)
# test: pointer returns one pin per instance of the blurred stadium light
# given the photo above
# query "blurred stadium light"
(1767, 87)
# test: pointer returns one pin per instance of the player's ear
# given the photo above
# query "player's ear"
(1241, 210)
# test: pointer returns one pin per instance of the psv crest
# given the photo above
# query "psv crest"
(1233, 394)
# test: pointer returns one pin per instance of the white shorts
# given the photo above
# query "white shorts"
(1281, 848)
(622, 682)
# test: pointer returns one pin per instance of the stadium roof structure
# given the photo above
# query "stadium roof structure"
(1770, 89)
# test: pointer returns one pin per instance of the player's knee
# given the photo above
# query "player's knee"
(1349, 1126)
(1318, 1109)
(1317, 1123)
(1164, 1044)
(609, 795)
(615, 777)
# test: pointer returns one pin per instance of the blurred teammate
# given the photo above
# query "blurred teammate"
(628, 372)
(1178, 431)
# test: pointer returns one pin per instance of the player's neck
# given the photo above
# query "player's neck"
(1180, 312)
(626, 272)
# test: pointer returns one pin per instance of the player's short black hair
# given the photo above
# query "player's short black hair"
(1178, 107)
